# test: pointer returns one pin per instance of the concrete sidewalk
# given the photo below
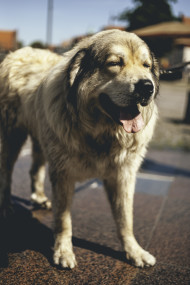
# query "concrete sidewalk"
(161, 224)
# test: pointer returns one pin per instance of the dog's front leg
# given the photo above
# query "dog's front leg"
(120, 191)
(62, 198)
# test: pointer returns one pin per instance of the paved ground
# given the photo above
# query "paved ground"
(161, 224)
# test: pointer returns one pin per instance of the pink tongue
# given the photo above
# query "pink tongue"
(131, 119)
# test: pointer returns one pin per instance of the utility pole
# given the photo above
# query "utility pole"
(49, 22)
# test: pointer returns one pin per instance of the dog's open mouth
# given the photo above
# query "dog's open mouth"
(129, 117)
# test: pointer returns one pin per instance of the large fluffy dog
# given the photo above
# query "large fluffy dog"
(90, 113)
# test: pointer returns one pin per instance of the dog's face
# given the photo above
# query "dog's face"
(117, 71)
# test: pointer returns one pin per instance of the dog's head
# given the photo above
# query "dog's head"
(117, 71)
(107, 79)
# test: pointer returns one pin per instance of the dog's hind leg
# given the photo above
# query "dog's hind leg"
(37, 174)
(11, 143)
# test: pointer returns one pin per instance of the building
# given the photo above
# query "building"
(176, 33)
(8, 40)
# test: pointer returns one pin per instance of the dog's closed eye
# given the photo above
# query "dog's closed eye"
(114, 63)
(147, 65)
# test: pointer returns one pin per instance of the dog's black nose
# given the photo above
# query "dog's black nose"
(144, 87)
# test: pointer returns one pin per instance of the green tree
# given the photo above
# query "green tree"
(37, 44)
(148, 12)
(20, 44)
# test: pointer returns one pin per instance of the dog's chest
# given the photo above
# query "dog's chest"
(85, 167)
(97, 158)
(100, 147)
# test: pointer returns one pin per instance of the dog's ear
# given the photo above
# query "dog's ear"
(75, 65)
(155, 66)
(155, 72)
(75, 68)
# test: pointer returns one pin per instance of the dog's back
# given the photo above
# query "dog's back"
(21, 73)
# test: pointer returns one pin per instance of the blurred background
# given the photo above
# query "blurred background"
(165, 26)
(58, 25)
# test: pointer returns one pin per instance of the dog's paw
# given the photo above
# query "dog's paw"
(63, 253)
(47, 204)
(41, 201)
(142, 258)
(65, 258)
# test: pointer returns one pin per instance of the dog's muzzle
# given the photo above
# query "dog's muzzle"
(124, 109)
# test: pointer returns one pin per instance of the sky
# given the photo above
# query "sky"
(70, 17)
